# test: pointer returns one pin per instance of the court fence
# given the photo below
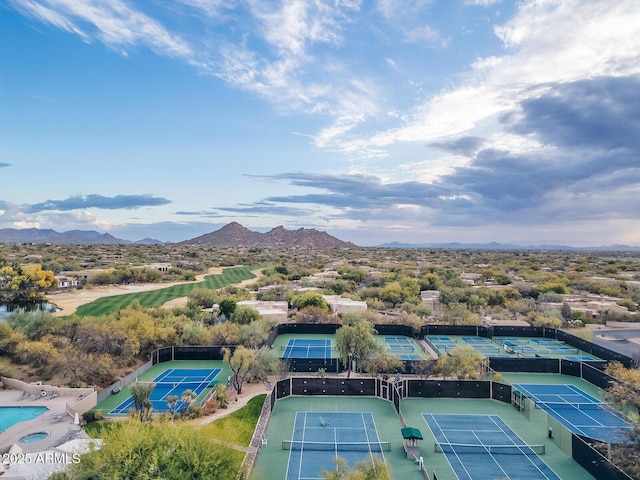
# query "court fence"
(573, 445)
(531, 365)
(258, 439)
(594, 462)
(115, 387)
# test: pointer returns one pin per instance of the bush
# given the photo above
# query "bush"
(91, 416)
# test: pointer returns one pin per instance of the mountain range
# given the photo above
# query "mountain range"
(234, 234)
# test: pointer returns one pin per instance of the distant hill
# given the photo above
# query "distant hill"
(508, 246)
(235, 234)
(74, 237)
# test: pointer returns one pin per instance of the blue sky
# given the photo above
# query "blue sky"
(374, 120)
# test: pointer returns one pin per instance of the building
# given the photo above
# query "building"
(344, 305)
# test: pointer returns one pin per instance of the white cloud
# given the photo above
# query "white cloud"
(425, 34)
(112, 22)
(212, 8)
(47, 15)
(548, 42)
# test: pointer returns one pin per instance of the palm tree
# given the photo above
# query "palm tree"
(188, 397)
(172, 403)
(141, 393)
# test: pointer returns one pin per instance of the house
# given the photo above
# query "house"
(344, 305)
(277, 310)
(65, 282)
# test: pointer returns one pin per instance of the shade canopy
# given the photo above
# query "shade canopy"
(410, 433)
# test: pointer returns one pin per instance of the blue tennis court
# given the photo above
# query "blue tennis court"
(511, 340)
(173, 381)
(440, 339)
(581, 358)
(475, 340)
(397, 340)
(483, 447)
(302, 348)
(580, 412)
(401, 346)
(408, 356)
(545, 341)
(485, 347)
(445, 346)
(319, 437)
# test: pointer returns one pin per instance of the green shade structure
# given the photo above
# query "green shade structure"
(410, 433)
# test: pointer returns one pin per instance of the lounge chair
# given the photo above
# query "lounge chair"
(57, 417)
(53, 394)
(23, 395)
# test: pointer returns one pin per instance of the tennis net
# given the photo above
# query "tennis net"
(164, 385)
(462, 448)
(572, 406)
(319, 348)
(299, 445)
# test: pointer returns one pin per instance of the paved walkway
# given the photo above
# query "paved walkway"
(236, 402)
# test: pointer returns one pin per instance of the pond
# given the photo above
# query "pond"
(7, 309)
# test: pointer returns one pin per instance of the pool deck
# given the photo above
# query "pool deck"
(59, 430)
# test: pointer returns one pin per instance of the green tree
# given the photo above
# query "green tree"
(36, 353)
(26, 284)
(267, 363)
(461, 362)
(393, 294)
(314, 315)
(244, 315)
(144, 451)
(37, 324)
(624, 394)
(194, 333)
(256, 333)
(226, 333)
(202, 297)
(222, 394)
(240, 361)
(309, 299)
(381, 363)
(226, 307)
(430, 281)
(140, 394)
(110, 338)
(172, 404)
(565, 311)
(355, 342)
(374, 469)
(459, 314)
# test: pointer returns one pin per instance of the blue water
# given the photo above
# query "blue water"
(9, 416)
(34, 437)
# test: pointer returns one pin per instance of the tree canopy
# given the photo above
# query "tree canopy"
(241, 361)
(24, 284)
(355, 342)
(625, 395)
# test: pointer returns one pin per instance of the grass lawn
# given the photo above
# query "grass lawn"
(238, 426)
(156, 298)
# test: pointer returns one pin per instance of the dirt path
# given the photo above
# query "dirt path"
(68, 302)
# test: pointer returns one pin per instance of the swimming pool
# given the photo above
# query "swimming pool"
(9, 416)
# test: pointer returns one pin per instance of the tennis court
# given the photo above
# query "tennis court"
(484, 447)
(320, 437)
(305, 348)
(173, 381)
(403, 348)
(580, 412)
(512, 347)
